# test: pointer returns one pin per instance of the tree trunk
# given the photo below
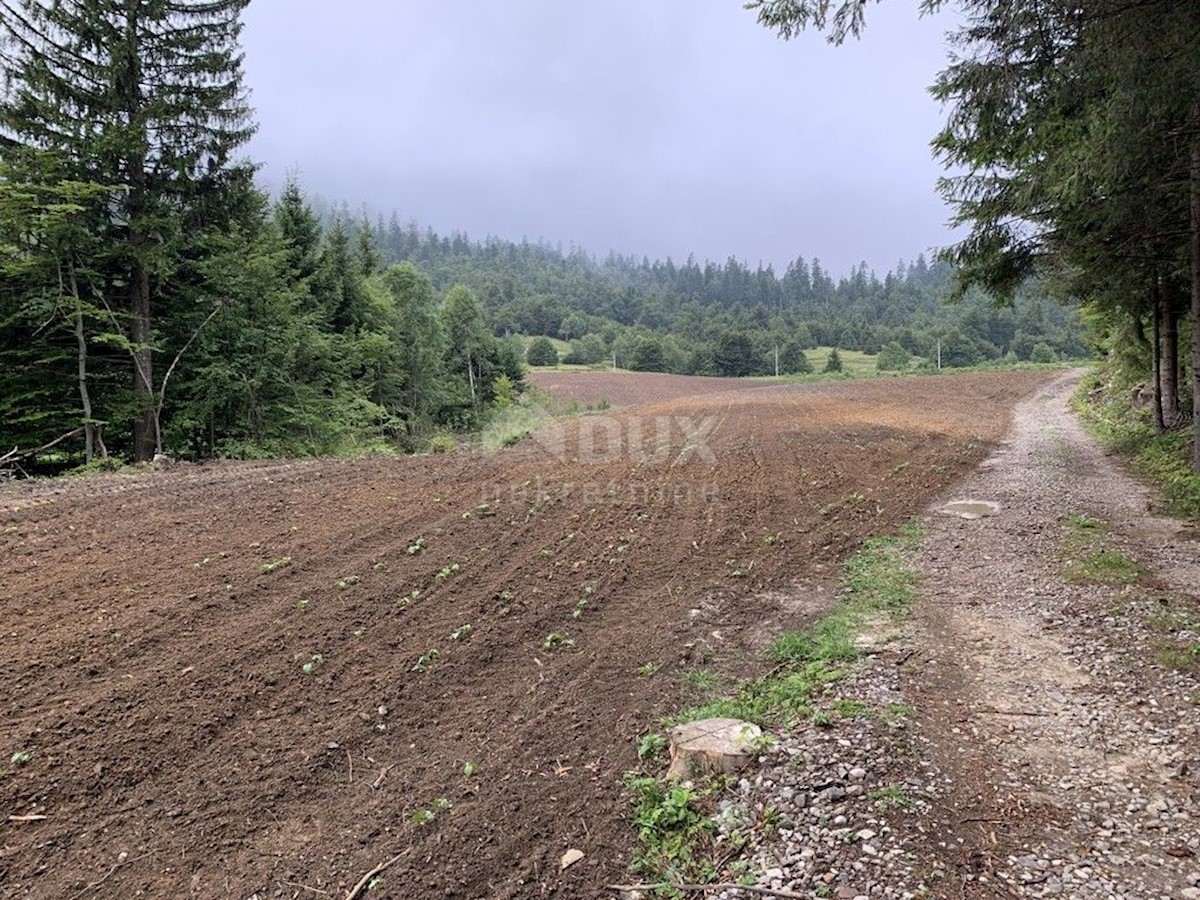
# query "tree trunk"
(89, 428)
(145, 441)
(1170, 357)
(471, 377)
(1156, 354)
(144, 437)
(1196, 289)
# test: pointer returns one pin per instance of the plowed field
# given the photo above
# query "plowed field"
(231, 680)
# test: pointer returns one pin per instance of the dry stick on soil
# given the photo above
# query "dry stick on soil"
(708, 888)
(379, 869)
(27, 818)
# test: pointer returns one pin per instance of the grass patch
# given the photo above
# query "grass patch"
(1179, 656)
(675, 834)
(1102, 403)
(675, 824)
(1104, 566)
(1091, 558)
(893, 796)
(704, 680)
(877, 581)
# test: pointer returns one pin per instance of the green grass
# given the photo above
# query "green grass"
(854, 362)
(877, 581)
(893, 796)
(1164, 459)
(675, 836)
(675, 824)
(1181, 657)
(1090, 556)
(1104, 566)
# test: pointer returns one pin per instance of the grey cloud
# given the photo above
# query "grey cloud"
(647, 126)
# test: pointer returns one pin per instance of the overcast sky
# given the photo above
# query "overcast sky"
(657, 127)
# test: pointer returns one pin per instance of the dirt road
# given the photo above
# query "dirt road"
(1031, 731)
(1058, 674)
(238, 680)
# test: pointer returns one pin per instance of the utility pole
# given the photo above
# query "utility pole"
(939, 354)
(776, 360)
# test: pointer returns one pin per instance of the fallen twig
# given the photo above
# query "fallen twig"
(707, 888)
(27, 818)
(375, 785)
(382, 867)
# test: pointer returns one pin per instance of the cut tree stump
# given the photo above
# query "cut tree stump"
(712, 746)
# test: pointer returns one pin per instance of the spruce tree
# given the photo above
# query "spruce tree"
(145, 97)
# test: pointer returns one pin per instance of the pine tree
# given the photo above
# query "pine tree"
(144, 96)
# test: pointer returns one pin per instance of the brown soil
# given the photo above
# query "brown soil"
(154, 667)
(627, 388)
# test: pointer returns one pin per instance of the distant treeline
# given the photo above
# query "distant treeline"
(700, 318)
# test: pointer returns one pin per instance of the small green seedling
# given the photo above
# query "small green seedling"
(302, 604)
(313, 664)
(408, 599)
(446, 571)
(423, 817)
(556, 639)
(21, 757)
(276, 565)
(342, 583)
(426, 660)
(470, 769)
(577, 612)
(460, 632)
(651, 745)
(204, 562)
(648, 669)
(416, 546)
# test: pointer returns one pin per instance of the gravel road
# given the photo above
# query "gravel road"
(1050, 667)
